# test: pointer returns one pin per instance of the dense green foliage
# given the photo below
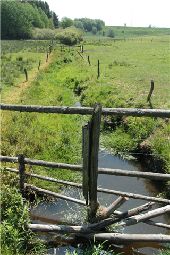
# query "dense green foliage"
(69, 36)
(88, 25)
(16, 238)
(19, 17)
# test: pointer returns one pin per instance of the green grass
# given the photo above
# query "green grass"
(126, 70)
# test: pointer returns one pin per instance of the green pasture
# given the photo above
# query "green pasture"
(126, 68)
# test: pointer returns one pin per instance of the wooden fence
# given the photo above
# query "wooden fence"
(90, 172)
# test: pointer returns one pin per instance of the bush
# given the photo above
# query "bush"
(70, 36)
(43, 34)
(15, 235)
(111, 33)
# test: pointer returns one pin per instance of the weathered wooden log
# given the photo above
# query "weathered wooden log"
(134, 211)
(151, 214)
(157, 224)
(162, 113)
(54, 194)
(121, 215)
(106, 212)
(127, 238)
(63, 229)
(113, 237)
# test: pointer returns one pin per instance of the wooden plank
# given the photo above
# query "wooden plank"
(54, 194)
(162, 113)
(93, 171)
(86, 160)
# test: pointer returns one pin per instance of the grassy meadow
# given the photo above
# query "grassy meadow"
(126, 68)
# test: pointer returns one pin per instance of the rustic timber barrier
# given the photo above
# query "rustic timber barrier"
(98, 217)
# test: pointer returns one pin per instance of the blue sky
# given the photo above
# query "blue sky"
(116, 12)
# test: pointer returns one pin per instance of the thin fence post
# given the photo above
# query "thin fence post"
(93, 169)
(82, 49)
(98, 69)
(47, 57)
(21, 174)
(151, 91)
(89, 60)
(39, 64)
(26, 74)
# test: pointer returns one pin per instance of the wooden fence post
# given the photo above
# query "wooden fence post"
(21, 174)
(151, 91)
(26, 74)
(93, 169)
(82, 49)
(86, 158)
(89, 60)
(98, 69)
(39, 64)
(47, 57)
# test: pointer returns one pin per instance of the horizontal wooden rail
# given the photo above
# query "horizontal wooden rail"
(107, 191)
(87, 110)
(134, 196)
(147, 175)
(109, 171)
(54, 194)
(42, 163)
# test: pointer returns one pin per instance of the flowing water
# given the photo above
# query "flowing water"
(60, 211)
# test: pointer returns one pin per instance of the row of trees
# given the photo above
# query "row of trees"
(88, 25)
(19, 17)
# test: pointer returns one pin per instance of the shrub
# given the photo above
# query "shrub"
(70, 36)
(43, 34)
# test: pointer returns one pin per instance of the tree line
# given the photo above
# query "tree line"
(88, 25)
(19, 17)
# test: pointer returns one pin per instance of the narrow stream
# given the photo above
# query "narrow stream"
(60, 211)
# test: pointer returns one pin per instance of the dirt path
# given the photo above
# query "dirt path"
(14, 95)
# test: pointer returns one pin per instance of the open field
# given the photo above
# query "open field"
(125, 73)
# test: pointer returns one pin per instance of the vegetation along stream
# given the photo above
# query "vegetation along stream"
(59, 211)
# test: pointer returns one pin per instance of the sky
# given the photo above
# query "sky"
(140, 13)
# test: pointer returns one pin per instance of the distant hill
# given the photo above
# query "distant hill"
(130, 32)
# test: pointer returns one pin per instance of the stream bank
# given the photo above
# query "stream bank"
(59, 211)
